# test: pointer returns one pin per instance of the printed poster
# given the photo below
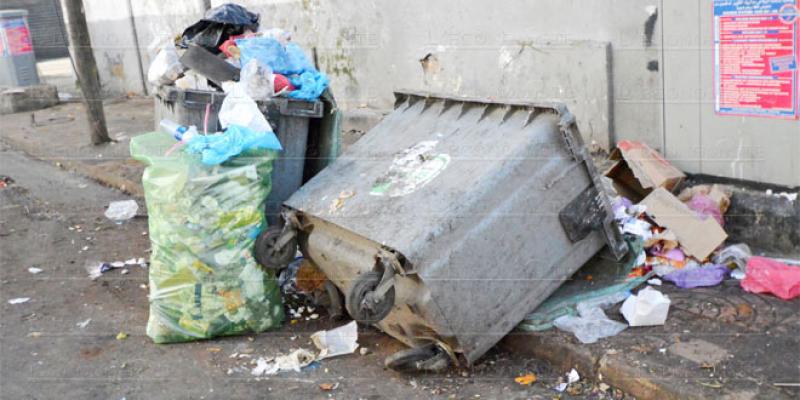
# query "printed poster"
(755, 52)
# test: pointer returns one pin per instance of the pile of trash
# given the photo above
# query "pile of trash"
(679, 239)
(228, 46)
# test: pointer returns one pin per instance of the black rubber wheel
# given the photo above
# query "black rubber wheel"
(358, 308)
(429, 358)
(268, 256)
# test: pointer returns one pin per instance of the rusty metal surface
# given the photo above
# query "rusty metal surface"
(469, 192)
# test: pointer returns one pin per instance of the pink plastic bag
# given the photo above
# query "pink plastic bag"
(769, 276)
(704, 206)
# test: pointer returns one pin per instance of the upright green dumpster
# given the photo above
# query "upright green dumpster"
(204, 281)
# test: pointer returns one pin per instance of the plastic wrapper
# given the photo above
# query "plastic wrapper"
(706, 276)
(257, 80)
(204, 280)
(239, 108)
(220, 147)
(165, 68)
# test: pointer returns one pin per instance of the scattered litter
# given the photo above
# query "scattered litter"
(526, 380)
(561, 387)
(592, 324)
(705, 276)
(83, 324)
(119, 211)
(735, 256)
(35, 334)
(34, 270)
(766, 275)
(19, 300)
(573, 376)
(647, 308)
(122, 336)
(327, 387)
(293, 361)
(336, 342)
(363, 351)
(655, 282)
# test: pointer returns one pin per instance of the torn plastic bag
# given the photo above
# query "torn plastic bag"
(592, 323)
(220, 147)
(765, 275)
(218, 25)
(204, 280)
(559, 305)
(239, 108)
(165, 68)
(706, 276)
(257, 80)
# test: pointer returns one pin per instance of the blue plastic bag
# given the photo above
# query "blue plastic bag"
(289, 60)
(218, 148)
(309, 86)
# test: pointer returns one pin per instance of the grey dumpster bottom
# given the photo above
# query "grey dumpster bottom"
(482, 209)
(291, 120)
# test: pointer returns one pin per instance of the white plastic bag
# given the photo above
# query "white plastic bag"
(257, 79)
(165, 68)
(240, 109)
(647, 308)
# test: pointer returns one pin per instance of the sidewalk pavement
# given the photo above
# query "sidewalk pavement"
(718, 343)
(61, 135)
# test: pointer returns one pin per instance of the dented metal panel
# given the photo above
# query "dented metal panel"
(468, 193)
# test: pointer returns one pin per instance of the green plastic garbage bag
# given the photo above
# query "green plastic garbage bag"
(204, 281)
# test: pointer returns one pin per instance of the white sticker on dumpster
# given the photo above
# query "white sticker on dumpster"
(412, 169)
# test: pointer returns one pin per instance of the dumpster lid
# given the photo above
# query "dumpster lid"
(411, 178)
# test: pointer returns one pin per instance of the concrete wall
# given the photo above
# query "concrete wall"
(604, 58)
(699, 140)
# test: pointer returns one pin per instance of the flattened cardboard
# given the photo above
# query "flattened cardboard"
(640, 169)
(698, 237)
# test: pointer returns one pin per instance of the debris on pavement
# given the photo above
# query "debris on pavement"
(649, 307)
(327, 387)
(765, 275)
(19, 300)
(84, 324)
(526, 380)
(122, 335)
(293, 361)
(34, 270)
(592, 324)
(120, 211)
(735, 257)
(336, 342)
(700, 276)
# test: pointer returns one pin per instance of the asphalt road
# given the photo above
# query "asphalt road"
(53, 220)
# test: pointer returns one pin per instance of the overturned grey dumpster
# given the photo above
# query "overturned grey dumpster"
(450, 221)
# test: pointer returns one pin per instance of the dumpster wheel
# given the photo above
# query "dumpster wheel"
(360, 303)
(428, 358)
(268, 255)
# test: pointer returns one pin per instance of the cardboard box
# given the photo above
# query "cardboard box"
(640, 169)
(698, 236)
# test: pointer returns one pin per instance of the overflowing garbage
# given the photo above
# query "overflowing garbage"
(229, 45)
(678, 239)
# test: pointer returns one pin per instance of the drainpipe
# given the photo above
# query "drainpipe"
(138, 48)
